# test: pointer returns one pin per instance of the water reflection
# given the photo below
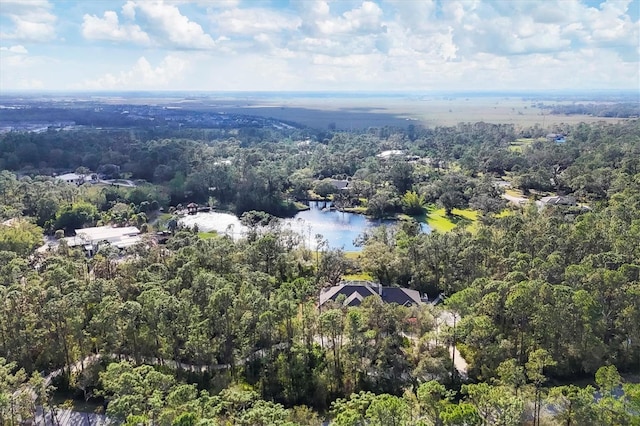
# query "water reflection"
(339, 229)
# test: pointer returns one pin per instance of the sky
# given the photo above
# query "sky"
(320, 45)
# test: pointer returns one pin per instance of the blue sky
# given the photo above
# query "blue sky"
(341, 45)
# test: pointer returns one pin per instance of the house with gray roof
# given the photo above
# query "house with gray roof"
(352, 293)
(339, 184)
(559, 200)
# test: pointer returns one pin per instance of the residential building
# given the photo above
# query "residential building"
(91, 238)
(352, 293)
(73, 178)
(559, 200)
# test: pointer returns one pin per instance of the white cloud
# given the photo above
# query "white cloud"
(414, 15)
(169, 24)
(350, 44)
(365, 19)
(254, 21)
(129, 10)
(32, 20)
(142, 76)
(222, 4)
(17, 49)
(109, 28)
(530, 27)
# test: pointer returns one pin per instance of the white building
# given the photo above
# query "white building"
(385, 155)
(74, 178)
(91, 238)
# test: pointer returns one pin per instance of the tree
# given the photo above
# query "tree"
(607, 379)
(333, 265)
(461, 414)
(20, 237)
(324, 188)
(538, 361)
(135, 391)
(382, 204)
(75, 216)
(351, 411)
(511, 374)
(412, 203)
(15, 399)
(496, 405)
(451, 200)
(573, 405)
(388, 410)
(434, 399)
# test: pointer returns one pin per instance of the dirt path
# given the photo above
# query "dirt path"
(449, 318)
(518, 201)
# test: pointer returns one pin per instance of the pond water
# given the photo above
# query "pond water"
(340, 229)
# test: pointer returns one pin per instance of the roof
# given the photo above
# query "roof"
(101, 233)
(356, 291)
(390, 153)
(565, 200)
(339, 184)
(70, 176)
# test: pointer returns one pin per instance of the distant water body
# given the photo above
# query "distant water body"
(339, 229)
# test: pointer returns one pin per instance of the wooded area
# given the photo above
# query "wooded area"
(548, 299)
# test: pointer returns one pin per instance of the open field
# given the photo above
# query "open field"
(440, 222)
(350, 111)
(519, 144)
(358, 113)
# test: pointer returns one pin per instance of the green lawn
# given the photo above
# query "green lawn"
(439, 221)
(358, 210)
(520, 143)
(207, 235)
(363, 276)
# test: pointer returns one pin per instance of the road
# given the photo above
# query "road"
(449, 318)
(518, 201)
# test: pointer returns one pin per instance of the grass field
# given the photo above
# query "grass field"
(519, 144)
(358, 277)
(352, 255)
(207, 235)
(440, 222)
(514, 192)
(358, 112)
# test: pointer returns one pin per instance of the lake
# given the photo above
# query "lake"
(340, 229)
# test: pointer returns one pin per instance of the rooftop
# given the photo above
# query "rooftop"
(70, 176)
(100, 233)
(356, 291)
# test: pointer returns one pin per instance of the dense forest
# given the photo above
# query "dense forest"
(209, 330)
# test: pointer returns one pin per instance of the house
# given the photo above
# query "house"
(340, 185)
(353, 293)
(91, 238)
(73, 178)
(556, 137)
(559, 200)
(385, 155)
